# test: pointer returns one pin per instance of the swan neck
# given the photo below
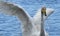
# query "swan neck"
(42, 26)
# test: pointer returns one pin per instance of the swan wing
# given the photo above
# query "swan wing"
(14, 9)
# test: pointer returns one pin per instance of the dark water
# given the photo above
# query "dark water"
(10, 25)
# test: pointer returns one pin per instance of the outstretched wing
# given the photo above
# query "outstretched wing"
(14, 9)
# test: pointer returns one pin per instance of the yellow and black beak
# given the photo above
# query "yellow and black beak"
(43, 10)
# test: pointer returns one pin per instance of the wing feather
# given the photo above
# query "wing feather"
(14, 9)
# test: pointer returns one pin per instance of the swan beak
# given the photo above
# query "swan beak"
(43, 11)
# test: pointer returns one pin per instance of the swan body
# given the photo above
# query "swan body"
(31, 26)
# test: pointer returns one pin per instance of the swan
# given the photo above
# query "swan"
(31, 26)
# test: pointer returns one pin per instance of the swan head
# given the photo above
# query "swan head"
(49, 11)
(46, 11)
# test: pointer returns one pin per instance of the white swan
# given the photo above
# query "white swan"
(31, 26)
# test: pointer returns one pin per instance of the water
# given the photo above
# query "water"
(10, 25)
